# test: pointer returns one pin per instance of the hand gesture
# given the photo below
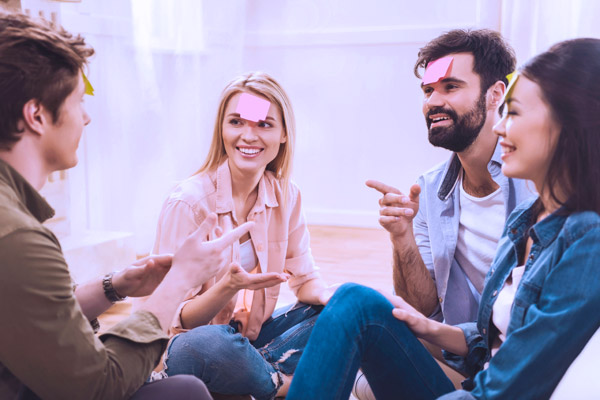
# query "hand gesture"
(416, 322)
(237, 278)
(396, 209)
(143, 276)
(197, 260)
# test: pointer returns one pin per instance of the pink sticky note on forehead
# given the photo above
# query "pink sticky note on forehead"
(437, 69)
(252, 108)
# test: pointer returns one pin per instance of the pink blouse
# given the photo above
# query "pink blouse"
(279, 235)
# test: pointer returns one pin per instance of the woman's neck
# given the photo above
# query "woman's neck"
(244, 190)
(549, 203)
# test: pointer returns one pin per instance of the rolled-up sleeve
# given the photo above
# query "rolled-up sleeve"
(48, 344)
(477, 355)
(176, 222)
(299, 262)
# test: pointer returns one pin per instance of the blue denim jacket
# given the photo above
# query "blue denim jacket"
(436, 232)
(555, 312)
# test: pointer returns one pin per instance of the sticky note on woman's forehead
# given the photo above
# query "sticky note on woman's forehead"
(437, 70)
(512, 80)
(88, 86)
(252, 108)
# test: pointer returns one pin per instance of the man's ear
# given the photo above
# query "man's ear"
(35, 118)
(495, 94)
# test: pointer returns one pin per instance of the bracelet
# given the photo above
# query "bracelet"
(109, 291)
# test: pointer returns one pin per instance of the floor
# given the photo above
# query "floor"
(343, 255)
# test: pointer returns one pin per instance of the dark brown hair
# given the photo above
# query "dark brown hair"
(568, 76)
(494, 58)
(37, 61)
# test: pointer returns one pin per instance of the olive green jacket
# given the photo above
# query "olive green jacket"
(47, 347)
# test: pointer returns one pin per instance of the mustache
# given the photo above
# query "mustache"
(441, 110)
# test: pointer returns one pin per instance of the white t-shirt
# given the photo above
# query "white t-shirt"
(248, 258)
(479, 230)
(503, 305)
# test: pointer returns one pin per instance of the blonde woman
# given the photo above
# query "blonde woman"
(227, 332)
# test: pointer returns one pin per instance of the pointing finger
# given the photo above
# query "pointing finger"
(415, 191)
(381, 187)
(206, 226)
(228, 238)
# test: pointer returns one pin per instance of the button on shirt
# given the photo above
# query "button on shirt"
(47, 347)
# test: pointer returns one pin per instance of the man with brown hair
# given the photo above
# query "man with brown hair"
(47, 346)
(445, 231)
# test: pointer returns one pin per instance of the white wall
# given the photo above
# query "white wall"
(346, 64)
(348, 68)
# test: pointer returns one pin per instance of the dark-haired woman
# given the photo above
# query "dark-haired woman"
(540, 304)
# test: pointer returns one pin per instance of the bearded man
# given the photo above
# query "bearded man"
(445, 231)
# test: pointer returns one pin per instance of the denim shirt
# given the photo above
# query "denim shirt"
(555, 312)
(436, 232)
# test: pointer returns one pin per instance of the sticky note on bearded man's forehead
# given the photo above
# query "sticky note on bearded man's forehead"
(252, 108)
(437, 70)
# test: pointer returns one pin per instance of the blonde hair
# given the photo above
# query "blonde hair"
(261, 84)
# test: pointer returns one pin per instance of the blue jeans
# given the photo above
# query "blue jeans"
(357, 329)
(228, 363)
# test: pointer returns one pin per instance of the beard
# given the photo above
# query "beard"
(464, 129)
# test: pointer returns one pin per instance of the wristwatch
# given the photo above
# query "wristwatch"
(109, 291)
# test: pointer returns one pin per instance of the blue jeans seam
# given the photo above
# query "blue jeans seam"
(267, 350)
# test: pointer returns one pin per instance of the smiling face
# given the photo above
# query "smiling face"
(528, 133)
(62, 137)
(454, 108)
(250, 145)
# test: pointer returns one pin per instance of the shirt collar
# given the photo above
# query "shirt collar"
(543, 232)
(266, 191)
(30, 199)
(454, 167)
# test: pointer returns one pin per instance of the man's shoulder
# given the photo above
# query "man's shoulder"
(14, 218)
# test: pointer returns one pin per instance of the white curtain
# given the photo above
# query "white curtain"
(532, 26)
(158, 71)
(161, 65)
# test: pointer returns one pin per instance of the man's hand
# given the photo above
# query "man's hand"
(237, 278)
(396, 209)
(141, 278)
(197, 260)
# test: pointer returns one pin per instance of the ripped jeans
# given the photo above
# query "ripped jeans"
(228, 363)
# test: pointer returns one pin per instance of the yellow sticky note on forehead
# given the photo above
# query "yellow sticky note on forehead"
(88, 86)
(512, 79)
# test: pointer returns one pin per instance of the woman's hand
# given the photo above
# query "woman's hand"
(416, 322)
(237, 278)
